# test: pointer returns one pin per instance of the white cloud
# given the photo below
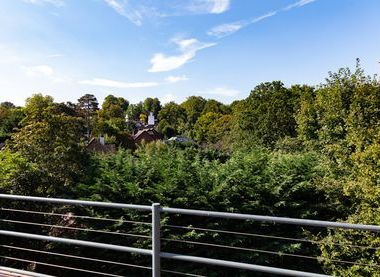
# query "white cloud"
(176, 79)
(137, 11)
(208, 6)
(38, 71)
(222, 91)
(298, 4)
(264, 16)
(116, 84)
(57, 3)
(187, 48)
(219, 6)
(123, 8)
(161, 62)
(225, 29)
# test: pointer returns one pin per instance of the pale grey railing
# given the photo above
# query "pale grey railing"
(155, 251)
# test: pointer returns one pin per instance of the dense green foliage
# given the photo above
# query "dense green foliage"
(299, 151)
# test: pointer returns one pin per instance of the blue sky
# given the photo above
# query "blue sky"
(172, 49)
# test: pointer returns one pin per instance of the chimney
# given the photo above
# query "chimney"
(101, 140)
(151, 119)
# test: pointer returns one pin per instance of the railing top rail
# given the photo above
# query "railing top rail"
(77, 242)
(261, 218)
(75, 202)
(273, 219)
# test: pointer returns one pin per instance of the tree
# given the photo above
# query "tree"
(268, 114)
(166, 129)
(17, 174)
(194, 105)
(341, 119)
(152, 105)
(219, 131)
(38, 108)
(255, 182)
(10, 117)
(330, 118)
(215, 107)
(51, 140)
(88, 106)
(134, 110)
(7, 105)
(202, 127)
(174, 115)
(114, 107)
(111, 119)
(306, 117)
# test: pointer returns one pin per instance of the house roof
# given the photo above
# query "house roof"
(151, 132)
(95, 146)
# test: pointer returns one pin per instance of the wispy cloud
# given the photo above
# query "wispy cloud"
(262, 17)
(103, 82)
(117, 84)
(124, 8)
(208, 6)
(219, 6)
(42, 71)
(298, 4)
(137, 11)
(221, 91)
(188, 48)
(227, 29)
(38, 71)
(57, 3)
(176, 79)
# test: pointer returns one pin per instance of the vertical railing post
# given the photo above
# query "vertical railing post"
(156, 240)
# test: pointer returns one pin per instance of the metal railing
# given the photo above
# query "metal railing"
(156, 229)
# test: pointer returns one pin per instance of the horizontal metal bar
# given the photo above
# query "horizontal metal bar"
(242, 249)
(76, 216)
(75, 228)
(73, 257)
(181, 273)
(78, 242)
(252, 267)
(261, 218)
(75, 202)
(273, 219)
(278, 253)
(270, 237)
(95, 260)
(61, 266)
(23, 272)
(7, 274)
